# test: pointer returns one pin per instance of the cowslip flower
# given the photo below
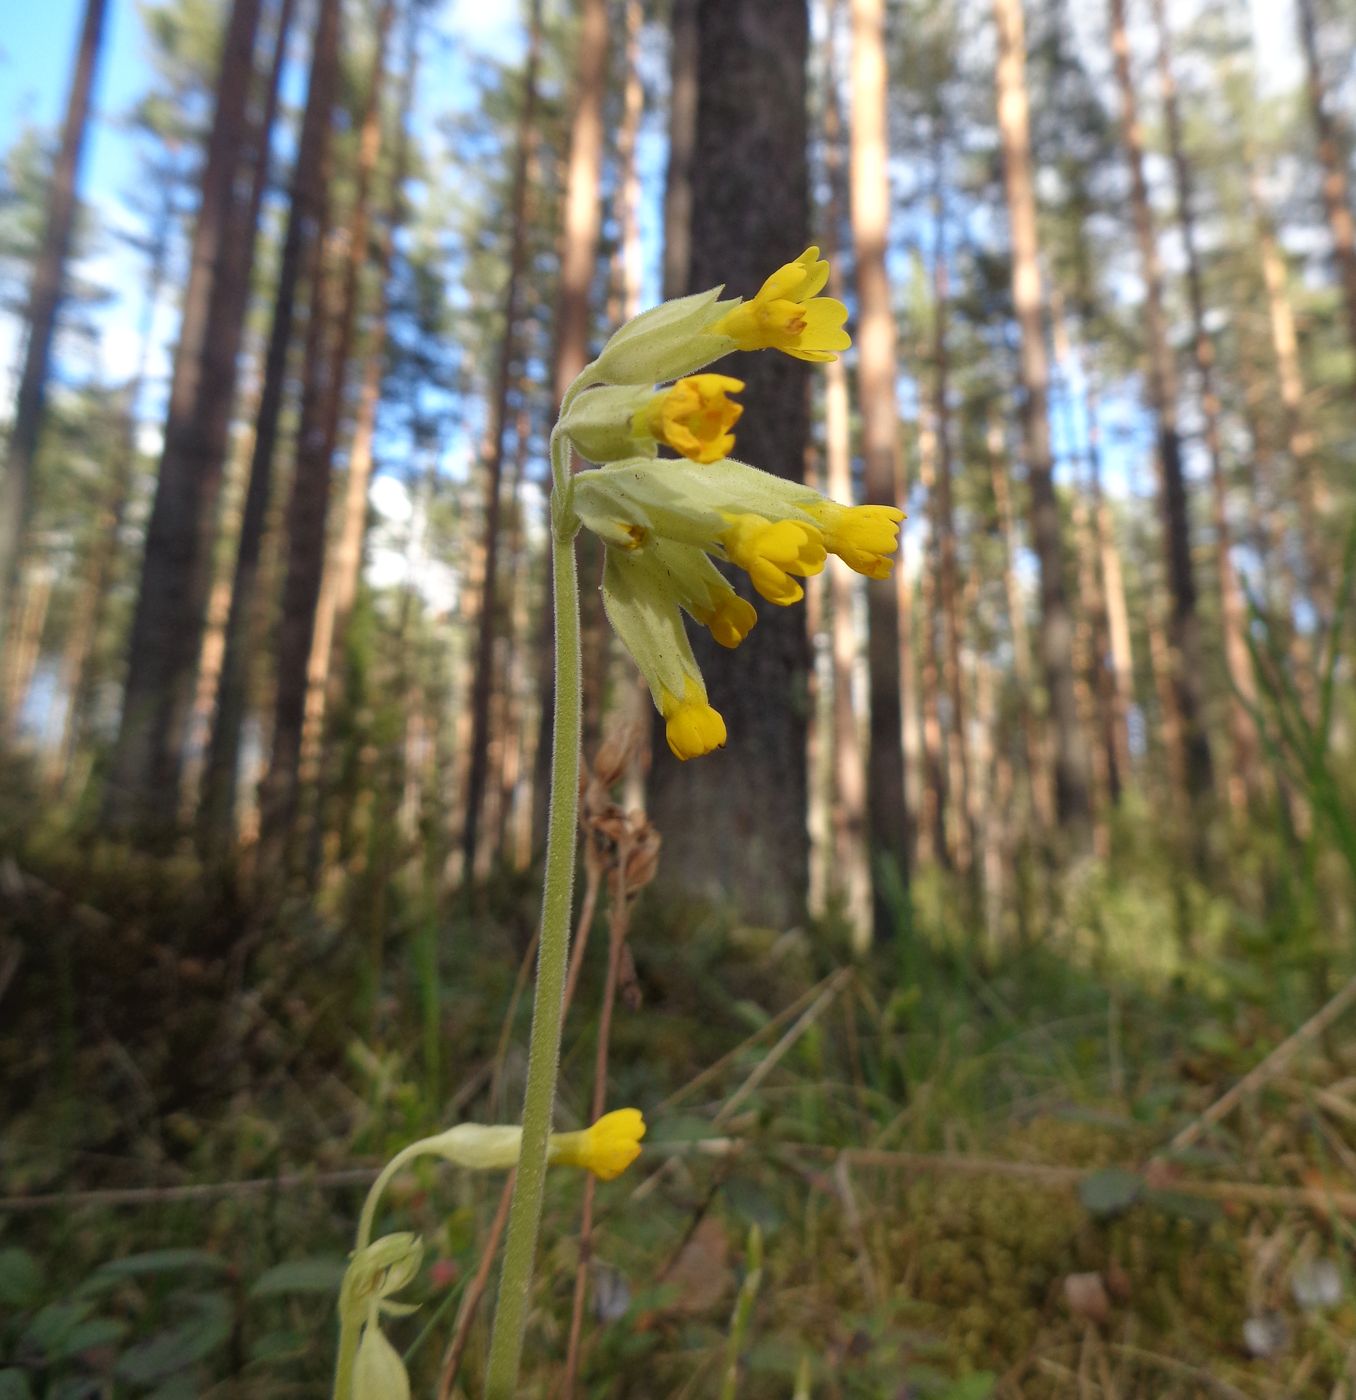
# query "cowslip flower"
(663, 523)
(788, 315)
(599, 1149)
(693, 416)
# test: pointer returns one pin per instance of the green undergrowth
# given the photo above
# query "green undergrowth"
(159, 1031)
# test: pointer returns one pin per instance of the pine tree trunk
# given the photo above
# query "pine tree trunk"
(682, 139)
(44, 301)
(1056, 626)
(216, 813)
(850, 872)
(1184, 655)
(1336, 195)
(167, 625)
(578, 259)
(887, 813)
(948, 581)
(734, 821)
(87, 624)
(304, 528)
(493, 452)
(358, 250)
(1242, 734)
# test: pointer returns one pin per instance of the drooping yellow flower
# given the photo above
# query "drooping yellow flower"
(691, 725)
(770, 552)
(693, 416)
(607, 1148)
(788, 315)
(863, 537)
(728, 617)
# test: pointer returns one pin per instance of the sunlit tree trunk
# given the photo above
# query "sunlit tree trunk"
(948, 580)
(887, 814)
(304, 527)
(167, 625)
(1309, 494)
(216, 811)
(682, 138)
(1056, 624)
(44, 301)
(1242, 734)
(493, 454)
(578, 260)
(1184, 657)
(87, 623)
(1336, 195)
(734, 821)
(850, 869)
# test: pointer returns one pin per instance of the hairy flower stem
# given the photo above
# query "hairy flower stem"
(515, 1282)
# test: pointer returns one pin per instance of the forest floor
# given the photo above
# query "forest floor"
(976, 1171)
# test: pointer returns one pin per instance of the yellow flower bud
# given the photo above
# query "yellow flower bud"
(691, 726)
(865, 538)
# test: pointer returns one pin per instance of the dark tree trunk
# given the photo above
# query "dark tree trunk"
(734, 821)
(171, 603)
(1183, 656)
(483, 676)
(217, 805)
(304, 527)
(1056, 624)
(44, 301)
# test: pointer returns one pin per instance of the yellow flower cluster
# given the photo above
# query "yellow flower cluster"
(663, 522)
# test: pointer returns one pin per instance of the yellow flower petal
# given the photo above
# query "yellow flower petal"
(730, 618)
(693, 728)
(770, 552)
(694, 416)
(607, 1148)
(787, 314)
(865, 538)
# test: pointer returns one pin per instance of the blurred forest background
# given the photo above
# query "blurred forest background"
(999, 971)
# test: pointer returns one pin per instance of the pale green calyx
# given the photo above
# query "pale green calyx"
(599, 422)
(666, 342)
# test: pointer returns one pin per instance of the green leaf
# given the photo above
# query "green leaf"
(282, 1344)
(20, 1279)
(978, 1386)
(49, 1329)
(177, 1348)
(1110, 1191)
(1199, 1209)
(93, 1332)
(164, 1261)
(319, 1275)
(14, 1385)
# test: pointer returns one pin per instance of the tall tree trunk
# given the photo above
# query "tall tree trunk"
(887, 813)
(743, 841)
(1242, 734)
(358, 250)
(1040, 783)
(1309, 495)
(1056, 626)
(1184, 657)
(1336, 196)
(578, 258)
(87, 623)
(682, 141)
(948, 580)
(44, 301)
(171, 603)
(493, 452)
(220, 778)
(850, 874)
(304, 528)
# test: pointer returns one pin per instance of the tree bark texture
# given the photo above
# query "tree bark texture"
(734, 822)
(168, 622)
(1056, 624)
(44, 302)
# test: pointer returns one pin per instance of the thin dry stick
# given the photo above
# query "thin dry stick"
(593, 877)
(201, 1191)
(1272, 1065)
(842, 1180)
(617, 924)
(456, 1348)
